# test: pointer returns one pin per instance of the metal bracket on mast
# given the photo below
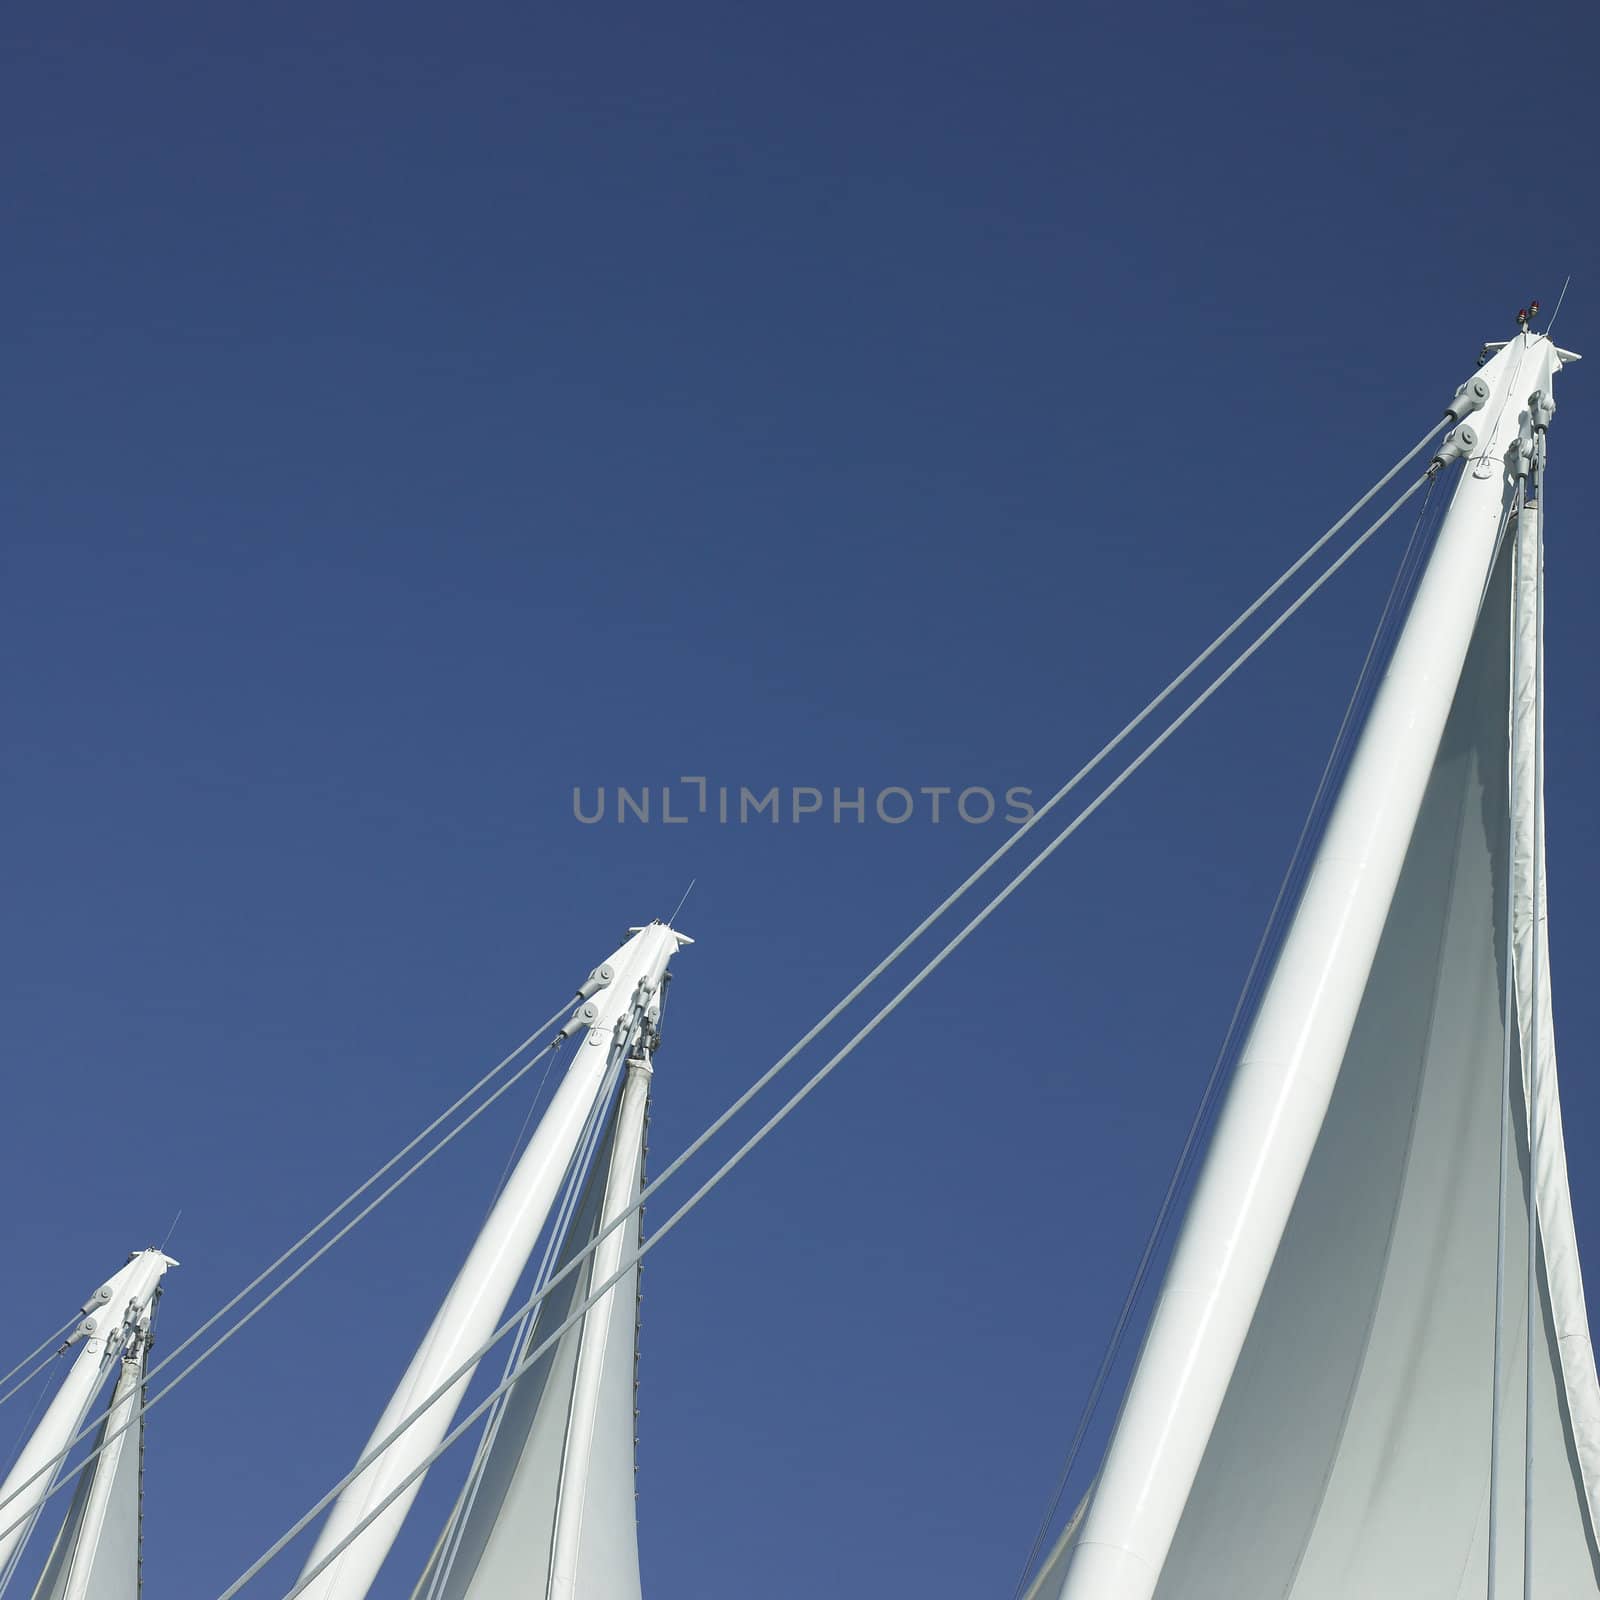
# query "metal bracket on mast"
(1472, 396)
(1522, 449)
(1460, 441)
(1565, 357)
(597, 980)
(586, 1016)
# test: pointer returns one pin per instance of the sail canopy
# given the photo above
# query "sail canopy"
(550, 1509)
(96, 1553)
(1351, 1450)
(1351, 1455)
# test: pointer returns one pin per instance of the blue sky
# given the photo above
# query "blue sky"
(412, 415)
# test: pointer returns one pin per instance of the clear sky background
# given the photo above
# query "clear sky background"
(411, 413)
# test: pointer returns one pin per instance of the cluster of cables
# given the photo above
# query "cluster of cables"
(1227, 653)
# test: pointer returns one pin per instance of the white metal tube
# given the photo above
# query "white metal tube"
(105, 1316)
(478, 1297)
(621, 1185)
(1285, 1077)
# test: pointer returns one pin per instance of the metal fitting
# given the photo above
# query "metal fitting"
(1472, 396)
(1460, 441)
(1522, 450)
(1542, 409)
(584, 1017)
(596, 981)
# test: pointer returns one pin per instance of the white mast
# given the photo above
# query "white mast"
(117, 1313)
(477, 1300)
(1280, 1092)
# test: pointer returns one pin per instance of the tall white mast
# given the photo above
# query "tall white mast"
(1280, 1092)
(612, 1019)
(116, 1314)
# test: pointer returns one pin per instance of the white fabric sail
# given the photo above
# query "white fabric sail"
(1351, 1455)
(552, 1516)
(96, 1553)
(364, 1521)
(1568, 1311)
(1351, 1451)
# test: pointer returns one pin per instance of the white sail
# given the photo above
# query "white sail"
(361, 1527)
(551, 1514)
(1351, 1455)
(96, 1553)
(1344, 1445)
(116, 1321)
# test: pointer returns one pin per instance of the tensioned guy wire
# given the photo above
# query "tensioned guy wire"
(766, 1128)
(783, 1061)
(356, 1193)
(303, 1267)
(9, 1460)
(515, 1153)
(828, 1017)
(871, 976)
(1560, 300)
(716, 1126)
(32, 1373)
(877, 971)
(39, 1349)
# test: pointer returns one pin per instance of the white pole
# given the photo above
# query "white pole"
(102, 1332)
(1285, 1077)
(478, 1297)
(622, 1183)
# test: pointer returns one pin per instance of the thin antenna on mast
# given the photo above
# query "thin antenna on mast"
(674, 917)
(1557, 312)
(170, 1231)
